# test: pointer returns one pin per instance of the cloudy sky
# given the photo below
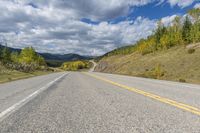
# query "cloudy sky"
(87, 27)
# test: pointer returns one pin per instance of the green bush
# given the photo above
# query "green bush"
(156, 73)
(75, 65)
(25, 61)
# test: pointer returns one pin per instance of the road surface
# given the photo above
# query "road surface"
(75, 102)
(93, 66)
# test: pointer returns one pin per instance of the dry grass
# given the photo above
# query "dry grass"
(7, 75)
(174, 64)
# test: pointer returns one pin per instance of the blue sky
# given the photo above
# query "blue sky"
(152, 10)
(87, 27)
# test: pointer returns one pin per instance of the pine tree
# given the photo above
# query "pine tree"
(1, 56)
(186, 30)
(6, 54)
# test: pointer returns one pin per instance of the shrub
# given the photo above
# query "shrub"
(75, 65)
(191, 50)
(158, 71)
(182, 80)
(145, 52)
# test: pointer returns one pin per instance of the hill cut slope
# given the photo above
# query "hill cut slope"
(176, 64)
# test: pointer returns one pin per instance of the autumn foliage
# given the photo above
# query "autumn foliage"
(182, 31)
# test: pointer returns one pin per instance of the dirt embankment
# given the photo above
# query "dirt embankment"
(176, 64)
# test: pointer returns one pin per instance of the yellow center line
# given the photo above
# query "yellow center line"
(179, 105)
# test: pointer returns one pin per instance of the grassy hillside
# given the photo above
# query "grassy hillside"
(163, 55)
(177, 63)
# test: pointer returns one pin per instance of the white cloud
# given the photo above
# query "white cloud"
(181, 3)
(99, 9)
(55, 26)
(197, 5)
(168, 20)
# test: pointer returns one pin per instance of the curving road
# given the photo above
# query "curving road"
(75, 102)
(93, 66)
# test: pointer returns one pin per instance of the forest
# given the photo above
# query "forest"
(75, 65)
(182, 31)
(25, 61)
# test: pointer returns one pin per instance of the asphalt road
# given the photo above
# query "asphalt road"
(94, 65)
(77, 102)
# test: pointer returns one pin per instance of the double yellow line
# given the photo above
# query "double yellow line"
(179, 105)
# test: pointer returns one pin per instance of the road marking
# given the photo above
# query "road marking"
(22, 102)
(179, 105)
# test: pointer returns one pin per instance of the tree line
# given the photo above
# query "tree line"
(75, 65)
(26, 60)
(182, 31)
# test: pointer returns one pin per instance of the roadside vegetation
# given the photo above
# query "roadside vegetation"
(175, 64)
(25, 61)
(24, 64)
(171, 52)
(76, 65)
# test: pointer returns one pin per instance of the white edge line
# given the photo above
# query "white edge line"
(20, 103)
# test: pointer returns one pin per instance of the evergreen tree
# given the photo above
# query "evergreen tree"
(6, 55)
(159, 32)
(177, 23)
(186, 30)
(1, 56)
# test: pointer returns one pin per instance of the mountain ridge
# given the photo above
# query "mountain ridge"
(56, 57)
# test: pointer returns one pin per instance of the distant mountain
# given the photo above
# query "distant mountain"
(65, 57)
(11, 49)
(55, 59)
